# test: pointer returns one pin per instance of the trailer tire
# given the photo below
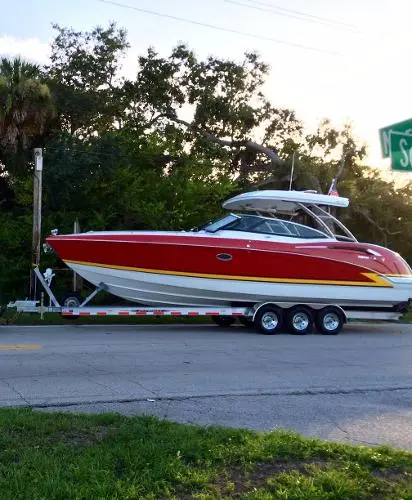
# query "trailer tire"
(269, 319)
(225, 321)
(299, 320)
(329, 320)
(71, 299)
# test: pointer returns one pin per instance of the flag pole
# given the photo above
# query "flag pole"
(292, 171)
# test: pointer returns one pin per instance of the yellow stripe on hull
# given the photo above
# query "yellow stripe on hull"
(376, 279)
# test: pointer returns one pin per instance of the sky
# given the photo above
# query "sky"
(348, 61)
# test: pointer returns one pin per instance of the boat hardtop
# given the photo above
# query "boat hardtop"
(286, 202)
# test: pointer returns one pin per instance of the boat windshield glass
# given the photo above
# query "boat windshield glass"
(212, 227)
(264, 225)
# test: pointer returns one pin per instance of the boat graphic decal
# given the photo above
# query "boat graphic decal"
(374, 279)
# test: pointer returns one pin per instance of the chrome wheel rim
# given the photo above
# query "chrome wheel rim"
(270, 321)
(331, 321)
(300, 321)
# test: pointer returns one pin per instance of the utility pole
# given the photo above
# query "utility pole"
(37, 192)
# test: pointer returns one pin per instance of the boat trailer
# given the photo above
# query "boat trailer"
(268, 317)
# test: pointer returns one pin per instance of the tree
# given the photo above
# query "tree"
(84, 78)
(216, 106)
(26, 105)
(163, 149)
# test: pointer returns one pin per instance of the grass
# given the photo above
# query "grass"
(64, 456)
(408, 317)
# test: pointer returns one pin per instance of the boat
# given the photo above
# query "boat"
(271, 246)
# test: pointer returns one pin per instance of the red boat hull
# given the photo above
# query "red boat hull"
(331, 264)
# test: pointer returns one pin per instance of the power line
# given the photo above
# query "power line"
(306, 15)
(221, 28)
(278, 11)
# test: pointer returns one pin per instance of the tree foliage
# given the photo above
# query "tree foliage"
(83, 75)
(26, 106)
(163, 149)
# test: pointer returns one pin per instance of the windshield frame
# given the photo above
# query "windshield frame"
(224, 222)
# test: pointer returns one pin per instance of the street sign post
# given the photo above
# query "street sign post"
(401, 151)
(404, 127)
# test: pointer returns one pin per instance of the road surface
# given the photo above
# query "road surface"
(354, 387)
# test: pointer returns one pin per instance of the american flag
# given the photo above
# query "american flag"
(333, 190)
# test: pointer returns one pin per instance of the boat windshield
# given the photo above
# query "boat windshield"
(212, 227)
(263, 225)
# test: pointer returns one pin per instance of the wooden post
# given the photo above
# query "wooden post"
(37, 203)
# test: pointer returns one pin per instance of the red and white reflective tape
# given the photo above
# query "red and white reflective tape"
(91, 311)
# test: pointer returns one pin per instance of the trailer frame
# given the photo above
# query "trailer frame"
(250, 312)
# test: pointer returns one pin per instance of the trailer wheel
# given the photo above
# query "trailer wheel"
(269, 319)
(329, 320)
(246, 321)
(223, 320)
(299, 320)
(71, 299)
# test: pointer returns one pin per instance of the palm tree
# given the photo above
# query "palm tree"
(26, 105)
(26, 109)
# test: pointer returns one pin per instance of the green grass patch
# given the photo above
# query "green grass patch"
(65, 456)
(407, 318)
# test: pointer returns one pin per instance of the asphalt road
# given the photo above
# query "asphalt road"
(354, 387)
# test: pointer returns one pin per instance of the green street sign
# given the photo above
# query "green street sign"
(384, 135)
(401, 151)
